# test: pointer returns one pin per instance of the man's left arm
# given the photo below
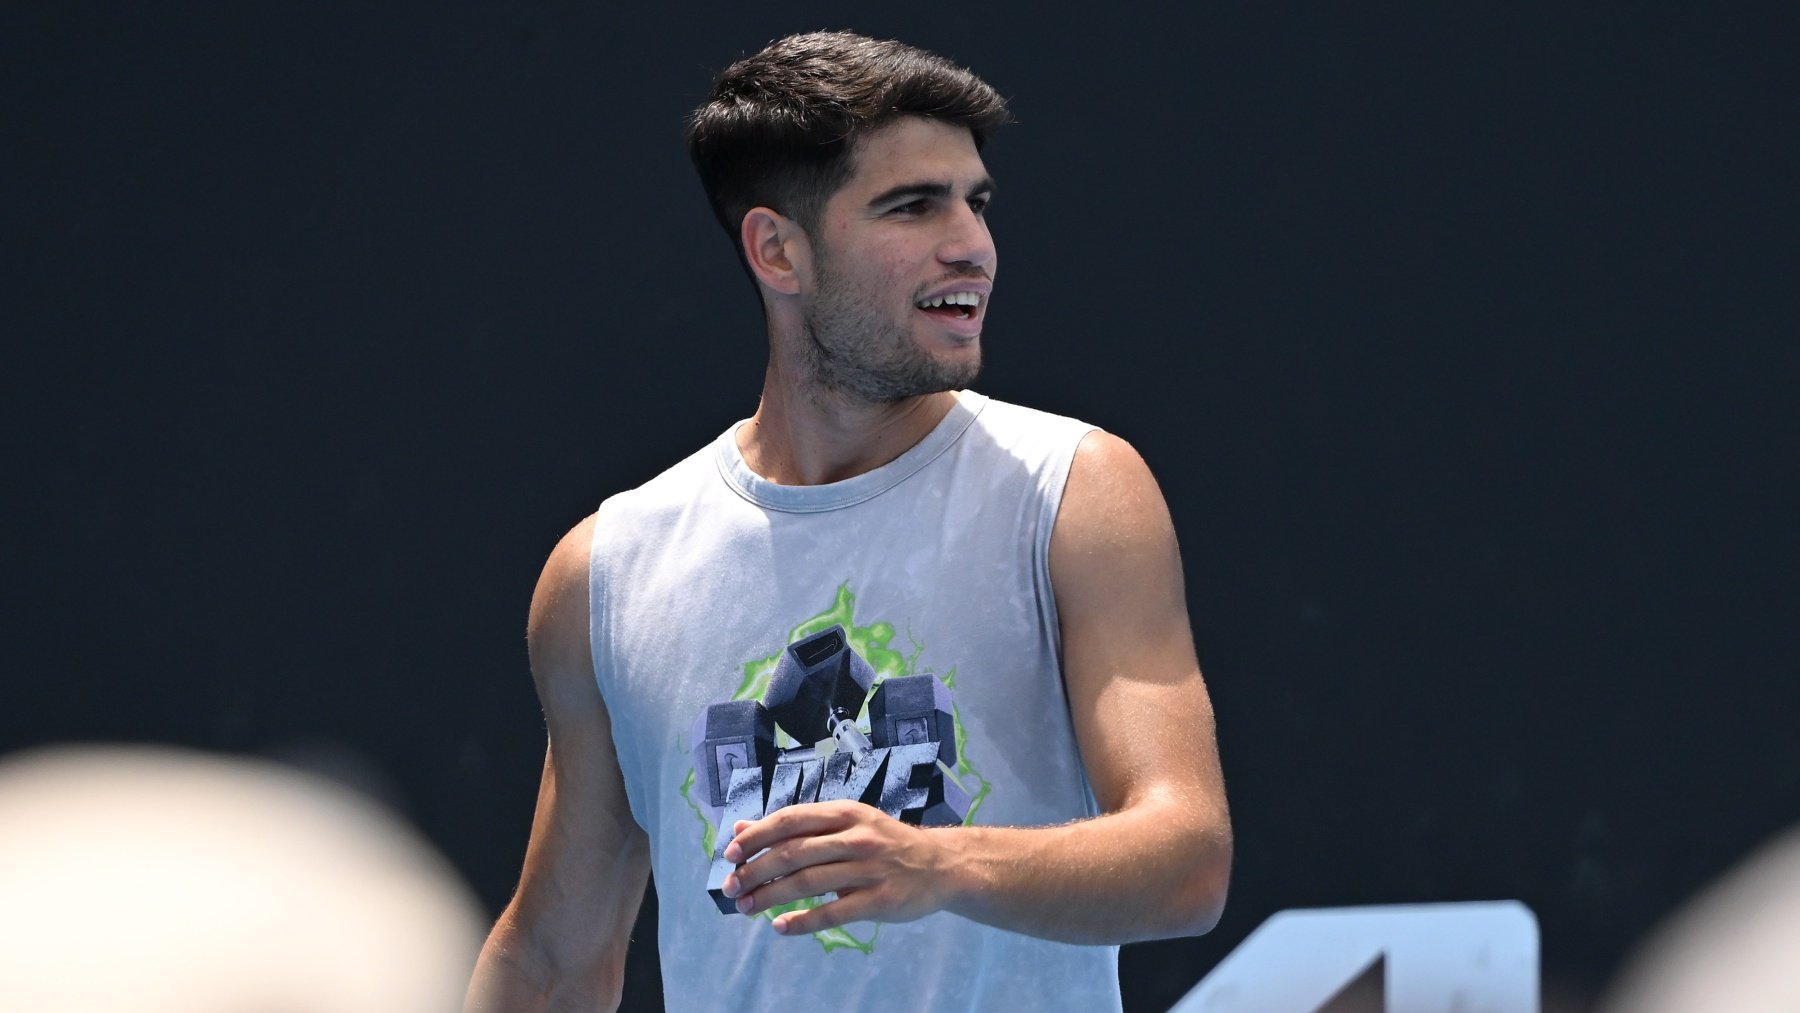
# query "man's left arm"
(1155, 862)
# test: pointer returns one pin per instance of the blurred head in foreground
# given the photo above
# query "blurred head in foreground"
(1736, 947)
(160, 881)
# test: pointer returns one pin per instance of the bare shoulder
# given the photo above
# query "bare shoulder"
(1116, 573)
(1112, 518)
(561, 655)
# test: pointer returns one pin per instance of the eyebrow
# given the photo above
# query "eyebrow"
(914, 191)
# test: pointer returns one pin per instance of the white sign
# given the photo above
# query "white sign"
(1438, 958)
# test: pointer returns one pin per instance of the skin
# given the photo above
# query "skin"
(910, 221)
(560, 943)
(842, 323)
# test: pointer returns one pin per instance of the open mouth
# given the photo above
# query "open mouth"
(956, 305)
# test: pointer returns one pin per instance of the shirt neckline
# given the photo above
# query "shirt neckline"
(851, 491)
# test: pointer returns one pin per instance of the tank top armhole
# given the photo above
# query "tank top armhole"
(1054, 481)
(599, 616)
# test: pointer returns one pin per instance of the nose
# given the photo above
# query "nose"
(967, 240)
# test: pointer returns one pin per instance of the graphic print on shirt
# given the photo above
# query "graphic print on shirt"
(835, 714)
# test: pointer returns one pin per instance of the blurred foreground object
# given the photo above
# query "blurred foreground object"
(141, 880)
(1736, 947)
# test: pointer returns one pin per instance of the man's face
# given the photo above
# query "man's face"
(902, 267)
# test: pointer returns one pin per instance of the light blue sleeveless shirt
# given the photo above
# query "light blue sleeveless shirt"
(934, 564)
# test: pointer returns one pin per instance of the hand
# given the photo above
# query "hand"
(879, 867)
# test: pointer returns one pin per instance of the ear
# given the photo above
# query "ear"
(776, 249)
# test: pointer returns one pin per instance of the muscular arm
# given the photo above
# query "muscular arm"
(560, 944)
(1154, 864)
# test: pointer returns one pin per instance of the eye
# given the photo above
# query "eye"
(912, 207)
(980, 204)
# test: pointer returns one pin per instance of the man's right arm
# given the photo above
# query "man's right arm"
(560, 944)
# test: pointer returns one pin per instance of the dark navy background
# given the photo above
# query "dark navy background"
(1460, 336)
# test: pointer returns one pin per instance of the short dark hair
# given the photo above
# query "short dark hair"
(778, 128)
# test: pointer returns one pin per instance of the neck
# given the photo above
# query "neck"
(804, 435)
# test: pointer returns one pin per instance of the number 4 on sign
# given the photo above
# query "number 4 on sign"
(1430, 958)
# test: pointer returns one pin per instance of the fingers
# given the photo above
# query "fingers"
(752, 836)
(790, 857)
(815, 849)
(856, 907)
(813, 881)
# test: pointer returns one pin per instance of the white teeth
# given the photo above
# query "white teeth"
(953, 299)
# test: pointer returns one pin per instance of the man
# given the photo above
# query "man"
(1018, 569)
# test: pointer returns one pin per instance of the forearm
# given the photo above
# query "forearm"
(1149, 871)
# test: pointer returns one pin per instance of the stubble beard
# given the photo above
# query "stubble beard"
(853, 351)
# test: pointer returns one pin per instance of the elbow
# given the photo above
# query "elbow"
(1205, 907)
(1199, 896)
(525, 968)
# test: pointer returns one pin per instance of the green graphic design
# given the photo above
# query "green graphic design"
(871, 642)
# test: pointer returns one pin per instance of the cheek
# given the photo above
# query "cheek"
(886, 275)
(904, 263)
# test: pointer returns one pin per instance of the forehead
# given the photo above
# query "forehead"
(912, 149)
